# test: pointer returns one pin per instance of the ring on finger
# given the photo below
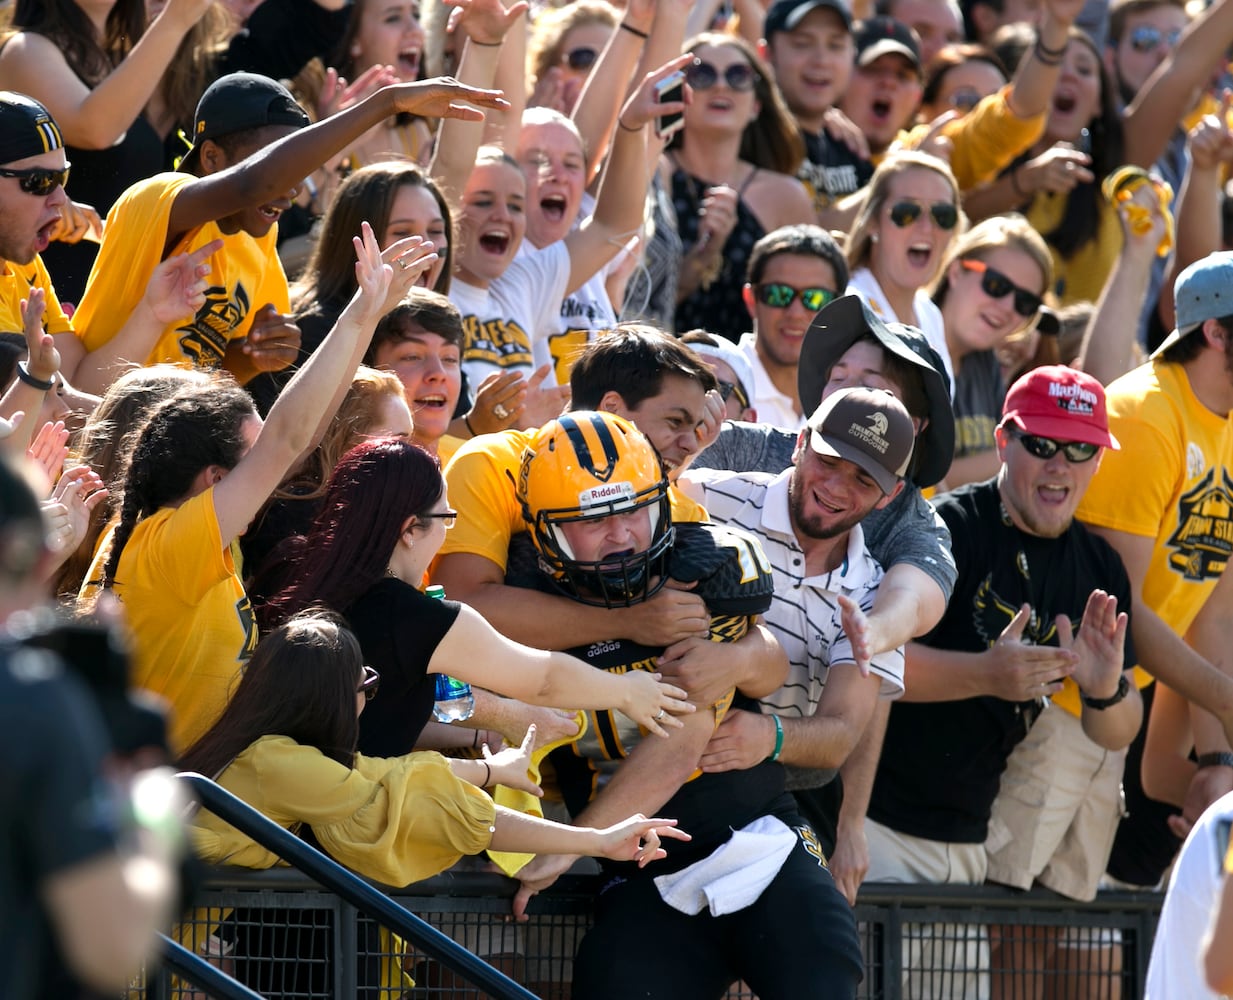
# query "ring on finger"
(500, 412)
(659, 715)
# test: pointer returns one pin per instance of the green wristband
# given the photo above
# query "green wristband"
(778, 739)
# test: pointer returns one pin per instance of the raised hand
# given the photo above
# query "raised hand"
(445, 97)
(372, 275)
(484, 21)
(1099, 646)
(42, 358)
(541, 403)
(49, 449)
(1019, 671)
(643, 105)
(638, 839)
(511, 767)
(410, 257)
(649, 699)
(855, 624)
(76, 494)
(177, 287)
(1057, 170)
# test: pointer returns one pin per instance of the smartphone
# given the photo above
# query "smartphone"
(670, 90)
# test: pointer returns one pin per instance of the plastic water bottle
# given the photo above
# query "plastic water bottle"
(455, 701)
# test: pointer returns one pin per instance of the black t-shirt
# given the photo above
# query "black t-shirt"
(830, 170)
(399, 629)
(709, 806)
(54, 807)
(942, 761)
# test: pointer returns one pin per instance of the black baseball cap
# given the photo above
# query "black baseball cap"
(785, 15)
(878, 36)
(26, 128)
(868, 427)
(238, 102)
(840, 324)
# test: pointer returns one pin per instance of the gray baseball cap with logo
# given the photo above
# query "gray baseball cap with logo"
(868, 427)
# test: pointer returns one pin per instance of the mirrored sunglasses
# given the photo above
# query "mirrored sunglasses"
(1076, 452)
(996, 285)
(964, 99)
(1146, 38)
(780, 296)
(702, 76)
(39, 181)
(368, 686)
(581, 58)
(905, 213)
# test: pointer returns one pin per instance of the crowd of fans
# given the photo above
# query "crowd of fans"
(818, 418)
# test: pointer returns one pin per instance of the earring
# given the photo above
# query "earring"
(873, 237)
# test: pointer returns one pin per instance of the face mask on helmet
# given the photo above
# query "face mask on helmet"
(585, 466)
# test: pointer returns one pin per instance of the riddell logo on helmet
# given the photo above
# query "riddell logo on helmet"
(606, 495)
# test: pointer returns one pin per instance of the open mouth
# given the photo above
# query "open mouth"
(270, 212)
(494, 243)
(919, 255)
(43, 237)
(1064, 103)
(1053, 495)
(553, 206)
(434, 401)
(881, 109)
(409, 63)
(719, 104)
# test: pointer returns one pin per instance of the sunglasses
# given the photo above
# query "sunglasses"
(997, 286)
(904, 213)
(1076, 452)
(780, 296)
(703, 76)
(581, 58)
(1145, 38)
(369, 684)
(726, 389)
(448, 517)
(964, 99)
(39, 181)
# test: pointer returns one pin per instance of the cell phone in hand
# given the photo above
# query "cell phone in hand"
(669, 90)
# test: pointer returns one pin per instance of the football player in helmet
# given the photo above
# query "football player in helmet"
(593, 493)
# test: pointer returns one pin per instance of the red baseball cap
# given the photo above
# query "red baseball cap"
(1061, 403)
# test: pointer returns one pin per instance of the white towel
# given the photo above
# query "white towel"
(733, 876)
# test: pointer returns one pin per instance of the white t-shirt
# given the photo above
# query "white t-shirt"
(804, 615)
(502, 324)
(1175, 971)
(929, 316)
(772, 406)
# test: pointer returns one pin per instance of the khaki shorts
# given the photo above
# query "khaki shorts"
(1057, 811)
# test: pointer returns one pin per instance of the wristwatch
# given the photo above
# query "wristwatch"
(1123, 689)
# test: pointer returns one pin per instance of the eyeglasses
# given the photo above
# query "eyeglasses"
(581, 58)
(997, 286)
(739, 76)
(726, 389)
(779, 296)
(39, 181)
(448, 517)
(368, 686)
(904, 213)
(1146, 38)
(1076, 452)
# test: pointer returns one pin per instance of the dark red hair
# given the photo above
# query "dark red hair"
(374, 489)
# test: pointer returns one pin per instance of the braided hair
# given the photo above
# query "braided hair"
(194, 429)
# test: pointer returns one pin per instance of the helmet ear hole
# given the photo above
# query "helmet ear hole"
(588, 465)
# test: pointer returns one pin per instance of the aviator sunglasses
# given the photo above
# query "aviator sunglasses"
(904, 213)
(581, 58)
(702, 76)
(1147, 38)
(369, 684)
(1076, 452)
(996, 285)
(780, 296)
(39, 181)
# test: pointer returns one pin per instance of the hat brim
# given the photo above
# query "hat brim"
(885, 47)
(839, 325)
(190, 162)
(824, 446)
(1062, 429)
(1175, 337)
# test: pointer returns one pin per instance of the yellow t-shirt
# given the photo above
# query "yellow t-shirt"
(246, 275)
(191, 621)
(1081, 277)
(985, 141)
(15, 285)
(483, 494)
(1172, 481)
(396, 820)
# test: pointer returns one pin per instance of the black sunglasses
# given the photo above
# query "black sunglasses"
(1076, 452)
(726, 389)
(904, 213)
(448, 517)
(369, 684)
(1146, 38)
(39, 181)
(996, 285)
(581, 58)
(779, 296)
(702, 76)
